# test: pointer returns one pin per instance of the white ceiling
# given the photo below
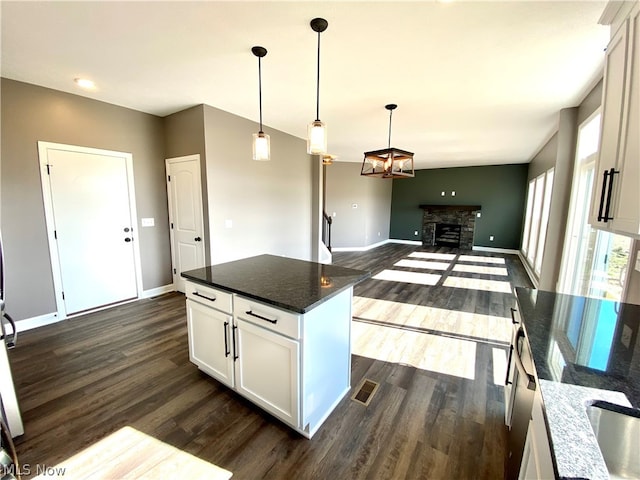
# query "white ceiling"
(475, 82)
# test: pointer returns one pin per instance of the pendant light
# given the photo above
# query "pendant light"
(388, 162)
(317, 131)
(261, 141)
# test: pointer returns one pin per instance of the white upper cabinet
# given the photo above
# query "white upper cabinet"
(615, 203)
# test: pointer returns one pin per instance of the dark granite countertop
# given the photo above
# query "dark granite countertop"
(584, 349)
(583, 341)
(294, 285)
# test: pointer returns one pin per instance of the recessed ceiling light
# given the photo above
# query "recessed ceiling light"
(85, 83)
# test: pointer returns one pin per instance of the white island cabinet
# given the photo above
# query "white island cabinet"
(294, 365)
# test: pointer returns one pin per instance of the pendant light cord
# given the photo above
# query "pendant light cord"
(390, 114)
(318, 84)
(260, 90)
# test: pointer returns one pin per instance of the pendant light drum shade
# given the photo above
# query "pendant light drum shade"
(261, 141)
(317, 130)
(388, 162)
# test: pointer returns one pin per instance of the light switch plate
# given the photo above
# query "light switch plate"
(148, 222)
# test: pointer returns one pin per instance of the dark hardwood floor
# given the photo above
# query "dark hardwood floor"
(86, 377)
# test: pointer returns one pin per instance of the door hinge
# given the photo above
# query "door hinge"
(63, 295)
(174, 271)
(171, 225)
(55, 234)
(168, 178)
(48, 171)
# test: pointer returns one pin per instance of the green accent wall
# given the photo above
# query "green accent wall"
(499, 189)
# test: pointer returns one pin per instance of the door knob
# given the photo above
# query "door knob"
(127, 239)
(198, 239)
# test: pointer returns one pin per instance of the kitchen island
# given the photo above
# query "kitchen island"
(277, 331)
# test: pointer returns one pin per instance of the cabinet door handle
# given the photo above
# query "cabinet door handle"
(270, 320)
(506, 380)
(612, 172)
(226, 340)
(531, 381)
(233, 337)
(513, 316)
(605, 175)
(211, 299)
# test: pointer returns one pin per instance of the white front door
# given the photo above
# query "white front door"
(184, 192)
(88, 200)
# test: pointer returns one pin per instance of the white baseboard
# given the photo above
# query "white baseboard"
(35, 322)
(359, 249)
(406, 242)
(496, 250)
(154, 292)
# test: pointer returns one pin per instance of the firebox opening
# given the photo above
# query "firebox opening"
(447, 235)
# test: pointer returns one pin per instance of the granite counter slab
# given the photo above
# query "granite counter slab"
(584, 350)
(290, 284)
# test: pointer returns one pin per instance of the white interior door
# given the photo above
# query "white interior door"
(89, 200)
(184, 192)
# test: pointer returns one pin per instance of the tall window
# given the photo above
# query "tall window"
(536, 219)
(594, 262)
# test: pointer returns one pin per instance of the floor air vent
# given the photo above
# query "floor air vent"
(365, 392)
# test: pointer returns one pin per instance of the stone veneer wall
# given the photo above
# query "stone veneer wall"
(449, 214)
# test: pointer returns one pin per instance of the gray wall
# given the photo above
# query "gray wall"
(270, 204)
(559, 153)
(499, 189)
(369, 222)
(31, 113)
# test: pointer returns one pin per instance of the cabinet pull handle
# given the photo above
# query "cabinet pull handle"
(226, 340)
(513, 317)
(270, 320)
(612, 172)
(506, 380)
(211, 299)
(531, 381)
(605, 174)
(233, 336)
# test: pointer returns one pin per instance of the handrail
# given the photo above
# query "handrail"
(327, 220)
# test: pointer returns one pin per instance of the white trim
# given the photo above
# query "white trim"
(496, 250)
(406, 242)
(35, 322)
(528, 269)
(359, 249)
(43, 148)
(154, 292)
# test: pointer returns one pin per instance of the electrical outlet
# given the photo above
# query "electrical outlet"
(453, 194)
(491, 238)
(478, 214)
(442, 194)
(415, 232)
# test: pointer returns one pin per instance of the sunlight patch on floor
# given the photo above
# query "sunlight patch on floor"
(481, 259)
(480, 269)
(422, 264)
(434, 353)
(499, 366)
(433, 256)
(408, 277)
(477, 284)
(475, 325)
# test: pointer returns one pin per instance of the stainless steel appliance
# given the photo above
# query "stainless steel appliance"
(520, 386)
(9, 407)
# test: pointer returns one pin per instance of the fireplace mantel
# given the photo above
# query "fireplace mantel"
(450, 208)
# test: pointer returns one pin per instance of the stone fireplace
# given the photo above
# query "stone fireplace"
(449, 225)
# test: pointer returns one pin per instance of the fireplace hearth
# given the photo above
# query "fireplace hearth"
(449, 225)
